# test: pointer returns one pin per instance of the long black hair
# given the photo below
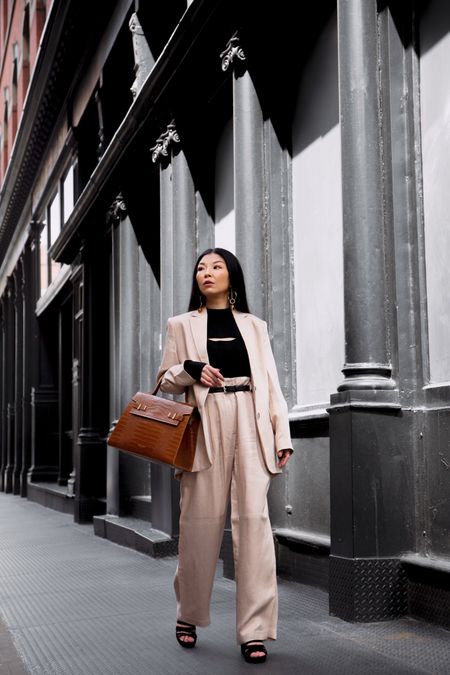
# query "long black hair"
(237, 281)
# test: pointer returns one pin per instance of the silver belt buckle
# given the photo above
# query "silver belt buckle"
(225, 389)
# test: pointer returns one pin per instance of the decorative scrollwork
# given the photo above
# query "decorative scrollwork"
(117, 211)
(231, 52)
(161, 149)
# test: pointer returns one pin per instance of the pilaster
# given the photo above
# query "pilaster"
(89, 442)
(18, 375)
(39, 384)
(10, 384)
(124, 366)
(3, 457)
(250, 208)
(30, 344)
(178, 253)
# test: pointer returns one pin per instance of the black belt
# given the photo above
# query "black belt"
(230, 389)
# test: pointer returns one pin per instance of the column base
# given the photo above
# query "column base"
(16, 485)
(51, 496)
(86, 508)
(363, 590)
(367, 377)
(42, 474)
(136, 534)
(8, 479)
(387, 399)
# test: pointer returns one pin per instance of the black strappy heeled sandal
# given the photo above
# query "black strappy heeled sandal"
(251, 647)
(188, 630)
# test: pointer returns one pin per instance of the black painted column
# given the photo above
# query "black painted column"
(10, 384)
(127, 472)
(367, 469)
(3, 454)
(77, 336)
(44, 395)
(18, 375)
(118, 340)
(90, 443)
(248, 147)
(30, 347)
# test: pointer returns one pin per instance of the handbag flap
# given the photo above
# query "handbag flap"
(159, 409)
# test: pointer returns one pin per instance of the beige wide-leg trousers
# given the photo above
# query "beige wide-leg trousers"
(238, 472)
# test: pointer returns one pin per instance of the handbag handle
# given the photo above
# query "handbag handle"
(158, 384)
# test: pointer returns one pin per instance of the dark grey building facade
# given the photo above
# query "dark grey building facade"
(316, 150)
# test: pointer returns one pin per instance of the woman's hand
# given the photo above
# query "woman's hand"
(283, 456)
(211, 377)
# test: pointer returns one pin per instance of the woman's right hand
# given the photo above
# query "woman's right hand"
(211, 377)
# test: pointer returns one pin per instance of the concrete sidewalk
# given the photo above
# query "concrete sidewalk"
(72, 603)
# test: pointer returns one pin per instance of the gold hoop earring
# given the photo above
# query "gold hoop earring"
(232, 295)
(201, 305)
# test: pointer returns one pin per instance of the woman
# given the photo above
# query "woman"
(220, 355)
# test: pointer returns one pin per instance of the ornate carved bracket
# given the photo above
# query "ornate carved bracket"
(161, 149)
(117, 211)
(233, 51)
(34, 230)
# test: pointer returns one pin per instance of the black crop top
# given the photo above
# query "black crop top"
(228, 355)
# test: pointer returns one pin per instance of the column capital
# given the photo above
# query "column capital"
(233, 53)
(34, 231)
(163, 143)
(117, 211)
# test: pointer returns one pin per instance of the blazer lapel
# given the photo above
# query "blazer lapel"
(198, 323)
(246, 329)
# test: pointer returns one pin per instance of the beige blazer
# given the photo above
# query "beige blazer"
(186, 338)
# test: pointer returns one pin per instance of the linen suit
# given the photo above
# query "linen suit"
(235, 459)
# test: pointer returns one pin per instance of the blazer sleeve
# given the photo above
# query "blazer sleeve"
(278, 407)
(174, 378)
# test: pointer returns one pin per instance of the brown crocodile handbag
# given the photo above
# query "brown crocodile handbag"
(158, 429)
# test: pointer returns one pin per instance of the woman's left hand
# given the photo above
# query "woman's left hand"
(283, 457)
